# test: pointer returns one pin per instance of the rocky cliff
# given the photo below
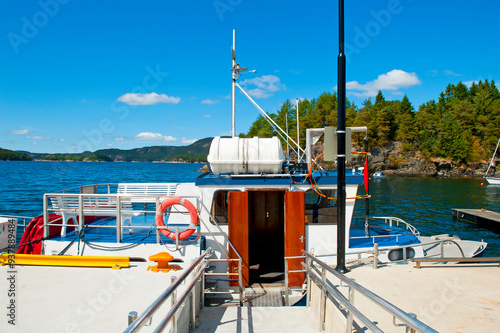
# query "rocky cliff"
(392, 160)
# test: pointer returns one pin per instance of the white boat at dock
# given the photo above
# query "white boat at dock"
(233, 251)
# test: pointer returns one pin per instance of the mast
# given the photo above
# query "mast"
(492, 158)
(341, 149)
(236, 73)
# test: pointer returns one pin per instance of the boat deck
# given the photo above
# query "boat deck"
(76, 299)
(448, 298)
(384, 236)
(257, 320)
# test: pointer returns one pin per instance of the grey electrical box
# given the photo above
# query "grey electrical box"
(330, 146)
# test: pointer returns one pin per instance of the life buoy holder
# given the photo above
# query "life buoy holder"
(168, 202)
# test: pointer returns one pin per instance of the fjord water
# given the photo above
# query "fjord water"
(424, 202)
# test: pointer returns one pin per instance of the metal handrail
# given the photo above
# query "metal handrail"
(390, 308)
(390, 219)
(341, 299)
(79, 208)
(151, 310)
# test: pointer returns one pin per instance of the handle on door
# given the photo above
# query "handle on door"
(302, 239)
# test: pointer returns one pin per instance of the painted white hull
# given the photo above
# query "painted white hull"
(493, 180)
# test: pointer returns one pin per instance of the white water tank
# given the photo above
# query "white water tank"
(245, 156)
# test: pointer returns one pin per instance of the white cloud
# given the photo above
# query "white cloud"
(109, 145)
(392, 80)
(154, 137)
(24, 131)
(207, 116)
(210, 101)
(469, 83)
(34, 143)
(448, 72)
(38, 137)
(147, 99)
(119, 139)
(266, 85)
(184, 140)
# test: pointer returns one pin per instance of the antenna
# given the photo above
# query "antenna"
(237, 70)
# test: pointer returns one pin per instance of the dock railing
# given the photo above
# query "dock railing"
(323, 292)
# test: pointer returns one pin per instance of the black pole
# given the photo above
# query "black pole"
(367, 201)
(341, 194)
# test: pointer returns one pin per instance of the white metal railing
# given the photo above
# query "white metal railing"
(76, 206)
(22, 221)
(229, 274)
(391, 221)
(197, 269)
(396, 220)
(318, 273)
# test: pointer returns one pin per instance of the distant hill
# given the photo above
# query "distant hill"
(159, 153)
(9, 155)
(195, 152)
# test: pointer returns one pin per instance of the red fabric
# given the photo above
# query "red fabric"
(32, 237)
(366, 175)
(31, 242)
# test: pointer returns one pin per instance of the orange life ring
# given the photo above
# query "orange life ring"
(186, 204)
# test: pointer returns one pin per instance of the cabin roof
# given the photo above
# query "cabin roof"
(323, 178)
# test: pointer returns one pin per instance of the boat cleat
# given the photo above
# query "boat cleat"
(163, 260)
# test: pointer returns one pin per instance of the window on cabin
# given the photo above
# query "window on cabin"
(319, 209)
(219, 206)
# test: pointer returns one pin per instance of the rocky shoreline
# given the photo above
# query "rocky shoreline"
(394, 162)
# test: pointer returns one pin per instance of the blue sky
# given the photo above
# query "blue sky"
(86, 75)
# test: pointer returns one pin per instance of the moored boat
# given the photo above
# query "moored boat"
(492, 180)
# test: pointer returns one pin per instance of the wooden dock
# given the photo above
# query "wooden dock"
(482, 217)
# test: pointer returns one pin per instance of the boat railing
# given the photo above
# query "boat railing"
(374, 238)
(288, 288)
(100, 188)
(397, 221)
(323, 285)
(22, 221)
(240, 263)
(196, 270)
(383, 249)
(76, 206)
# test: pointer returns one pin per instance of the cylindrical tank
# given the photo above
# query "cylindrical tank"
(245, 156)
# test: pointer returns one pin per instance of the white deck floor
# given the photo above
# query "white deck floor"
(449, 298)
(73, 299)
(257, 320)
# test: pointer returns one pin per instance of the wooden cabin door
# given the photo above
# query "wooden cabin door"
(238, 233)
(295, 237)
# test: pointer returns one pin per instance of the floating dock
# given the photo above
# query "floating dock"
(482, 217)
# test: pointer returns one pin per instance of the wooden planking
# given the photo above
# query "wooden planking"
(484, 217)
(295, 234)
